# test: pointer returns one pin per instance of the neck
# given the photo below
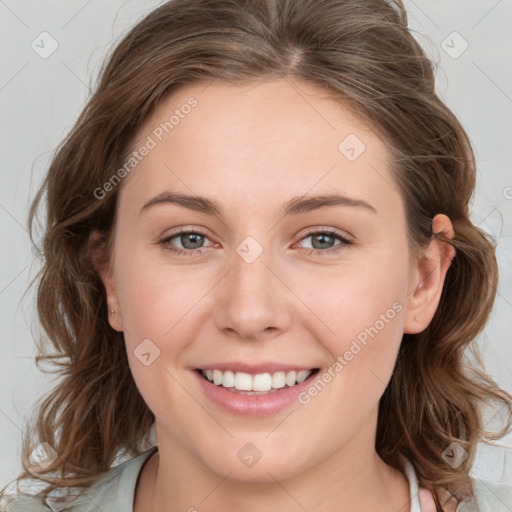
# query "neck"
(361, 483)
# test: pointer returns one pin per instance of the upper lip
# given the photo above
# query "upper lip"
(254, 369)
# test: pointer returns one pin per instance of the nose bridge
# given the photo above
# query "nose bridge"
(253, 299)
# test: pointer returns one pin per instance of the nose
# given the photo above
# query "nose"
(253, 302)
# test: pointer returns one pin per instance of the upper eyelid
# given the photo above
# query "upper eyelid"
(314, 231)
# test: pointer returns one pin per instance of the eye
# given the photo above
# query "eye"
(190, 239)
(192, 242)
(322, 239)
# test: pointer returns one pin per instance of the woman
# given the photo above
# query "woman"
(307, 353)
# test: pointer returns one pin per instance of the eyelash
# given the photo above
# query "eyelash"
(317, 252)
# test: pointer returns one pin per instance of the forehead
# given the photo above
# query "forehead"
(260, 141)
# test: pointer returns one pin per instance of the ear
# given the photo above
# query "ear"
(97, 250)
(428, 276)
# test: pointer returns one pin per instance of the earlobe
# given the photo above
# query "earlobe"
(429, 276)
(97, 245)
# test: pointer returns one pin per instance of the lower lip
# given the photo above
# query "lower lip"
(253, 405)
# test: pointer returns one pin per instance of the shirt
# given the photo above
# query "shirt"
(115, 492)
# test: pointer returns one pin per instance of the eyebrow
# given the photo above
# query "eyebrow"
(295, 206)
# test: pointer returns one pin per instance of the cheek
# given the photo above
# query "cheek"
(160, 307)
(159, 301)
(353, 296)
(165, 304)
(358, 316)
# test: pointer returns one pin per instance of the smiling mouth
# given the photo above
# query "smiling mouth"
(259, 384)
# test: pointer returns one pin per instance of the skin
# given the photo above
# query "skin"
(252, 149)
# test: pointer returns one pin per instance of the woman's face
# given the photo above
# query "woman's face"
(270, 158)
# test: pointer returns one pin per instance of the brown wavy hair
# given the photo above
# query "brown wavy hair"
(362, 54)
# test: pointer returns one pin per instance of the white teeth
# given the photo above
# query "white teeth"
(260, 382)
(217, 377)
(302, 376)
(243, 381)
(291, 378)
(278, 380)
(228, 379)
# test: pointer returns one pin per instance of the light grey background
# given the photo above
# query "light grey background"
(41, 97)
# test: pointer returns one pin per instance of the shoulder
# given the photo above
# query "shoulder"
(114, 492)
(489, 497)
